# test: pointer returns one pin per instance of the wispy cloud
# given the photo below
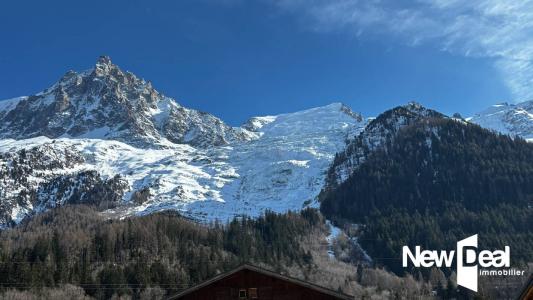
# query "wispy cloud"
(500, 30)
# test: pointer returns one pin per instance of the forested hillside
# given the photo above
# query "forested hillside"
(73, 252)
(441, 180)
(73, 245)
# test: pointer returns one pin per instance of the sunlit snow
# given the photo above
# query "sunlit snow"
(282, 169)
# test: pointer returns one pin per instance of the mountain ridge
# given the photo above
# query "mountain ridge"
(207, 171)
(106, 102)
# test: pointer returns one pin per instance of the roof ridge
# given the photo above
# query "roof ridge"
(264, 271)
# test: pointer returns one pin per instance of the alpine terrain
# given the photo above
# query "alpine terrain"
(357, 189)
(513, 119)
(107, 137)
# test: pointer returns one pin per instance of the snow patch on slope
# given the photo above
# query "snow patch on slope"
(334, 233)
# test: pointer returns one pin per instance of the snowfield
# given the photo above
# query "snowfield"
(512, 119)
(282, 168)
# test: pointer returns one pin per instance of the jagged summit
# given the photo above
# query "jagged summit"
(104, 60)
(104, 67)
(106, 102)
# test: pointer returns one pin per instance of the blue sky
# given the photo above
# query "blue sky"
(238, 59)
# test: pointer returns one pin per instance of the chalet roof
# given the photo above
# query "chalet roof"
(260, 270)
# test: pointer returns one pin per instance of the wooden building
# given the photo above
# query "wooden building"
(251, 282)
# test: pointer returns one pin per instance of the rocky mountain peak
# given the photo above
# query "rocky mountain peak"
(105, 69)
(104, 65)
(104, 60)
(106, 102)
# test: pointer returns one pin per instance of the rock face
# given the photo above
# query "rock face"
(108, 103)
(378, 132)
(513, 119)
(36, 178)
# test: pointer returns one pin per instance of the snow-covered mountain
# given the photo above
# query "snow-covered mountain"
(107, 138)
(108, 103)
(513, 119)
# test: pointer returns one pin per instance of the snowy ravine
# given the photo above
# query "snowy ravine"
(282, 168)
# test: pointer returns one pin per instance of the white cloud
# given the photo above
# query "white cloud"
(500, 30)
